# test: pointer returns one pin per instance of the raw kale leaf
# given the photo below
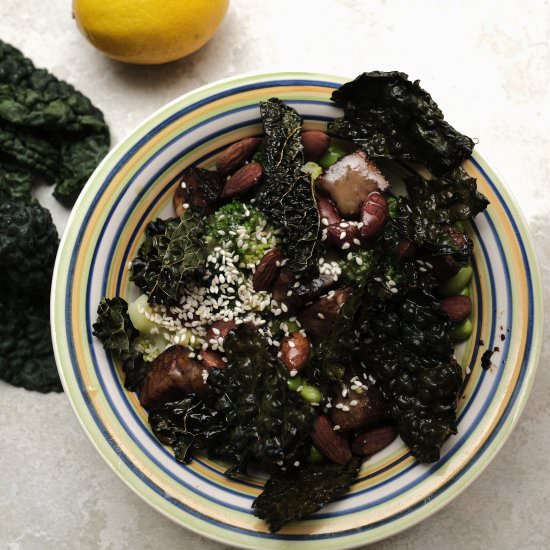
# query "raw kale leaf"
(26, 354)
(423, 227)
(449, 198)
(291, 496)
(394, 118)
(115, 330)
(286, 194)
(47, 127)
(28, 245)
(249, 415)
(173, 251)
(15, 183)
(409, 352)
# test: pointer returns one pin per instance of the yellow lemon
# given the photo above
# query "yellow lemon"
(149, 31)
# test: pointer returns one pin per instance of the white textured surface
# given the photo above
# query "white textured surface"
(486, 63)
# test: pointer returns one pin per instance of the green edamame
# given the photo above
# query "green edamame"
(459, 226)
(333, 154)
(311, 394)
(455, 284)
(465, 291)
(462, 330)
(294, 383)
(258, 156)
(315, 455)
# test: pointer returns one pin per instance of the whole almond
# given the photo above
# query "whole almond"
(329, 442)
(370, 442)
(374, 213)
(315, 144)
(295, 351)
(344, 235)
(327, 211)
(267, 270)
(236, 155)
(358, 410)
(457, 308)
(243, 179)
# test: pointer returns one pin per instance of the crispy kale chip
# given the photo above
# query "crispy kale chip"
(449, 198)
(286, 195)
(26, 354)
(249, 415)
(47, 127)
(291, 496)
(173, 251)
(391, 117)
(409, 352)
(115, 330)
(28, 245)
(15, 183)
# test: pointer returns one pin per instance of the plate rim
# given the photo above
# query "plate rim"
(59, 279)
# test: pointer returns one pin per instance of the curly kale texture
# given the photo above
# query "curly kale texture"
(286, 195)
(291, 496)
(391, 117)
(410, 354)
(26, 354)
(115, 330)
(173, 251)
(249, 416)
(15, 183)
(48, 128)
(28, 245)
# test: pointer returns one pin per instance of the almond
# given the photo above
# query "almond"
(267, 270)
(374, 214)
(457, 308)
(243, 179)
(344, 235)
(295, 351)
(236, 155)
(359, 410)
(327, 211)
(330, 443)
(315, 144)
(370, 442)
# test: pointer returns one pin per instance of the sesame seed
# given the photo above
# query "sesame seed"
(353, 402)
(342, 235)
(356, 241)
(428, 265)
(185, 205)
(394, 290)
(324, 221)
(320, 315)
(422, 269)
(358, 260)
(183, 185)
(336, 427)
(291, 344)
(345, 246)
(284, 307)
(293, 372)
(344, 225)
(296, 463)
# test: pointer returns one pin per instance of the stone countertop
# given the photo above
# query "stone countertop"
(486, 64)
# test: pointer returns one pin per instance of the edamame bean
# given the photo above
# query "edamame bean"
(455, 284)
(392, 203)
(315, 455)
(332, 155)
(465, 291)
(311, 394)
(459, 226)
(294, 383)
(462, 330)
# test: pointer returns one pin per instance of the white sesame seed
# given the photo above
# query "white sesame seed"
(183, 185)
(296, 463)
(345, 246)
(422, 269)
(284, 307)
(358, 260)
(356, 241)
(320, 315)
(394, 290)
(293, 372)
(353, 402)
(342, 235)
(336, 427)
(291, 344)
(324, 221)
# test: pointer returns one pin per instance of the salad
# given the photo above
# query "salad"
(300, 309)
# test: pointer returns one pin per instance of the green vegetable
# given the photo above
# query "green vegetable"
(250, 414)
(173, 252)
(311, 394)
(115, 330)
(315, 455)
(378, 106)
(332, 155)
(47, 127)
(462, 330)
(28, 245)
(15, 183)
(465, 291)
(457, 282)
(292, 495)
(258, 156)
(409, 352)
(448, 199)
(26, 354)
(294, 383)
(286, 195)
(229, 219)
(313, 169)
(359, 266)
(459, 226)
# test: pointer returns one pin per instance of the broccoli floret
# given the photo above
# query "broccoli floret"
(28, 244)
(244, 228)
(357, 266)
(26, 355)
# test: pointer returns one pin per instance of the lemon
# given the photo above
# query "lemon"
(148, 31)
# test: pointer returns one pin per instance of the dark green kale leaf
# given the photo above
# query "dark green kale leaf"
(47, 127)
(117, 334)
(15, 183)
(449, 198)
(286, 194)
(28, 245)
(173, 251)
(391, 117)
(423, 227)
(291, 496)
(249, 415)
(409, 352)
(26, 354)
